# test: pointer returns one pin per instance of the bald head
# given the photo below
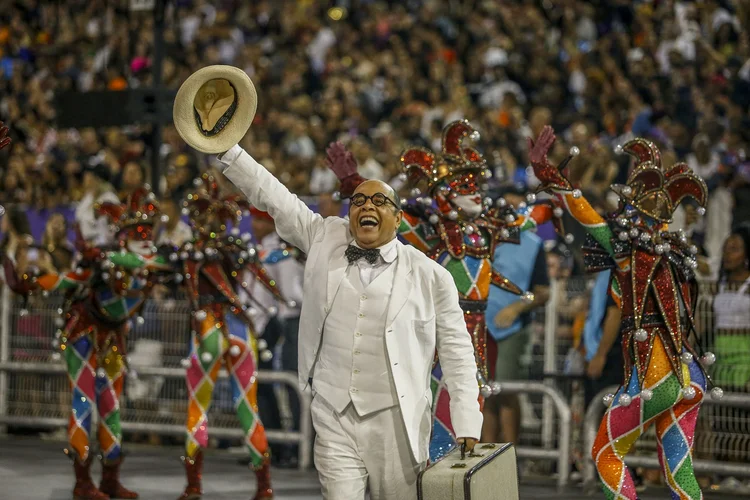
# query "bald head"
(374, 214)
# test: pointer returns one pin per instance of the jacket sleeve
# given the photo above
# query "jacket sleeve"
(456, 355)
(295, 222)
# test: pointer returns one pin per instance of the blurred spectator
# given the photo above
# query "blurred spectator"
(329, 206)
(55, 242)
(96, 189)
(175, 231)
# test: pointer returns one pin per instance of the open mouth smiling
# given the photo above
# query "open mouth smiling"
(368, 221)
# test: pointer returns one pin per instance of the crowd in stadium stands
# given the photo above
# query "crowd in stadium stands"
(383, 74)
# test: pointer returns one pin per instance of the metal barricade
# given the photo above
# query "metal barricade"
(34, 390)
(596, 410)
(561, 454)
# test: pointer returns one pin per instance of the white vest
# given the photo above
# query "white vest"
(353, 363)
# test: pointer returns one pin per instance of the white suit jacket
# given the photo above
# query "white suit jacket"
(423, 312)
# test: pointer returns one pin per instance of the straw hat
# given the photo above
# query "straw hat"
(214, 108)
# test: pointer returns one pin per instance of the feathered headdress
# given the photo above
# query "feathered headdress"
(655, 191)
(423, 167)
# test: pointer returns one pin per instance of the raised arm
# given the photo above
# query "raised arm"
(554, 182)
(457, 360)
(295, 222)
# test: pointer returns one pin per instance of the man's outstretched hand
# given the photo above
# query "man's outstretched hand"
(4, 139)
(340, 160)
(538, 150)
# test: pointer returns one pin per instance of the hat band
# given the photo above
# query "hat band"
(223, 121)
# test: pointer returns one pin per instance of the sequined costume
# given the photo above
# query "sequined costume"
(212, 269)
(107, 289)
(463, 240)
(654, 286)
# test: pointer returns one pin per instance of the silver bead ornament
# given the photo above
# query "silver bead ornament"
(645, 237)
(469, 229)
(244, 255)
(701, 211)
(569, 238)
(688, 392)
(235, 350)
(402, 176)
(427, 201)
(659, 249)
(23, 312)
(291, 304)
(45, 293)
(640, 335)
(496, 387)
(453, 215)
(647, 394)
(118, 275)
(266, 356)
(607, 399)
(184, 256)
(200, 315)
(206, 357)
(577, 193)
(59, 322)
(528, 297)
(557, 212)
(686, 357)
(246, 237)
(622, 221)
(487, 202)
(501, 202)
(627, 190)
(164, 218)
(185, 211)
(139, 320)
(197, 182)
(510, 218)
(633, 232)
(693, 249)
(504, 233)
(59, 310)
(56, 356)
(105, 276)
(262, 344)
(434, 219)
(101, 373)
(531, 198)
(404, 201)
(251, 252)
(485, 391)
(623, 236)
(415, 192)
(173, 257)
(717, 393)
(708, 359)
(474, 136)
(618, 149)
(185, 362)
(487, 173)
(625, 400)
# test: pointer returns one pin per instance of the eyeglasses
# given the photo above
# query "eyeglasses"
(378, 199)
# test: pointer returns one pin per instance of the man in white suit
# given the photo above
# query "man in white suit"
(373, 313)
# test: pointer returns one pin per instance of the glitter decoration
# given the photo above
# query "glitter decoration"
(640, 335)
(577, 193)
(574, 151)
(625, 400)
(687, 357)
(623, 236)
(453, 215)
(688, 392)
(708, 358)
(434, 219)
(647, 394)
(717, 393)
(485, 391)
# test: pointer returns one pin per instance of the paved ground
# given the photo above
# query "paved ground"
(31, 469)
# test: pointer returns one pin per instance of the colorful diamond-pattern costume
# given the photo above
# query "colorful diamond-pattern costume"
(654, 286)
(102, 295)
(212, 269)
(463, 240)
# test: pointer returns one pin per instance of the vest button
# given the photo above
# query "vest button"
(357, 334)
(356, 371)
(361, 315)
(363, 297)
(352, 390)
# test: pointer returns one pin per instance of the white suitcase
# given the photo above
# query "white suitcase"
(489, 472)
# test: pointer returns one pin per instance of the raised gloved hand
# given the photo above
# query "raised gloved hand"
(4, 139)
(341, 161)
(549, 175)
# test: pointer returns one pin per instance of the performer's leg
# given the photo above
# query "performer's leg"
(242, 362)
(109, 384)
(341, 471)
(619, 429)
(675, 430)
(205, 361)
(386, 452)
(80, 359)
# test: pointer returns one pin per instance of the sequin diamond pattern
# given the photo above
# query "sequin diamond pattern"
(224, 338)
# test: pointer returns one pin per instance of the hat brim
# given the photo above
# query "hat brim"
(183, 112)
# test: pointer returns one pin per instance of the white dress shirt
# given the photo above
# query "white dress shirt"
(368, 272)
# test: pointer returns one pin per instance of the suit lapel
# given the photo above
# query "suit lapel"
(336, 270)
(403, 284)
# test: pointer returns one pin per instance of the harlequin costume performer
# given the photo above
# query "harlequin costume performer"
(655, 288)
(212, 269)
(107, 289)
(458, 228)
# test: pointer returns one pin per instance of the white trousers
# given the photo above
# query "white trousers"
(352, 452)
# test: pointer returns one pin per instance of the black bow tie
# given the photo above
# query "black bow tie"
(353, 254)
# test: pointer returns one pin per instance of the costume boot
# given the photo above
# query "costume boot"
(85, 488)
(193, 468)
(111, 480)
(263, 475)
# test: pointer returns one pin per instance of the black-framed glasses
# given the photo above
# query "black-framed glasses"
(378, 199)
